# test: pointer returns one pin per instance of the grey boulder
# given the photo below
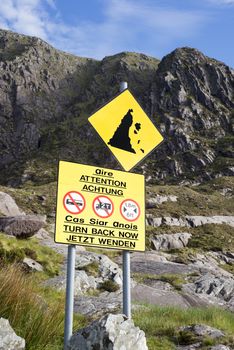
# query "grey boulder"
(8, 339)
(112, 332)
(22, 226)
(8, 206)
(170, 241)
(31, 265)
(202, 330)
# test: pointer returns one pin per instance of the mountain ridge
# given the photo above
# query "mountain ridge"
(46, 96)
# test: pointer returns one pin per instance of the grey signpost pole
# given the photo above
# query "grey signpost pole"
(71, 257)
(126, 260)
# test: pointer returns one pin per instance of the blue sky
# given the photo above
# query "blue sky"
(98, 28)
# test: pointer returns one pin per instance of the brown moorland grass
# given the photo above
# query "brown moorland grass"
(40, 324)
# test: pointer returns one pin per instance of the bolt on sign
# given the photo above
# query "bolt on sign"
(100, 207)
(126, 130)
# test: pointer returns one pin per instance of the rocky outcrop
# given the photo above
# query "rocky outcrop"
(189, 220)
(197, 333)
(8, 339)
(153, 202)
(170, 241)
(200, 282)
(194, 97)
(214, 289)
(47, 240)
(92, 270)
(8, 206)
(46, 96)
(112, 332)
(22, 226)
(201, 330)
(199, 346)
(158, 295)
(98, 306)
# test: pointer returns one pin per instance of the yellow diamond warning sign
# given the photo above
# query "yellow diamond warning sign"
(100, 207)
(126, 129)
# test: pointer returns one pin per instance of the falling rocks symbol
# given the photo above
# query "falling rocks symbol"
(121, 137)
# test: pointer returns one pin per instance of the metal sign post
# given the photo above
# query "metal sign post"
(103, 208)
(126, 261)
(71, 256)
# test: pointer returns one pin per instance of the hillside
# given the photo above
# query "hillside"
(46, 96)
(183, 285)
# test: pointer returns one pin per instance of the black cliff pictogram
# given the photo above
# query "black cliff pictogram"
(121, 138)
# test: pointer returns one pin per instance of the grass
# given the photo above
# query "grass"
(109, 286)
(209, 237)
(29, 316)
(205, 199)
(32, 199)
(91, 269)
(228, 267)
(111, 253)
(14, 250)
(175, 280)
(161, 324)
(35, 316)
(212, 237)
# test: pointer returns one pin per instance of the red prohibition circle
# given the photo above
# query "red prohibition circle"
(121, 205)
(79, 210)
(95, 210)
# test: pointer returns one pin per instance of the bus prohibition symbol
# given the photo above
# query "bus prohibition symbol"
(74, 202)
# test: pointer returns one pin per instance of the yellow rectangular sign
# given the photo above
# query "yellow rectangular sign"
(100, 207)
(126, 129)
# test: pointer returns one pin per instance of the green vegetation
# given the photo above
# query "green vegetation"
(111, 253)
(161, 325)
(14, 250)
(33, 199)
(209, 237)
(30, 314)
(174, 279)
(212, 237)
(228, 267)
(109, 286)
(205, 199)
(91, 269)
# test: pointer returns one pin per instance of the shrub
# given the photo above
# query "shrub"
(109, 286)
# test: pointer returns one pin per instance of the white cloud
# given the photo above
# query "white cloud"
(24, 16)
(126, 25)
(221, 2)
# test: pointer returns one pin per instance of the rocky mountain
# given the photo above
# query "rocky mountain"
(46, 96)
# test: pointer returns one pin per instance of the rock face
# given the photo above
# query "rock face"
(46, 96)
(198, 333)
(22, 226)
(91, 271)
(98, 306)
(157, 200)
(173, 241)
(189, 220)
(8, 339)
(214, 289)
(201, 330)
(112, 332)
